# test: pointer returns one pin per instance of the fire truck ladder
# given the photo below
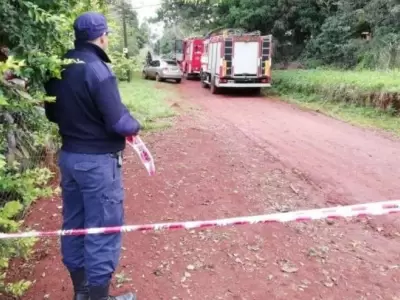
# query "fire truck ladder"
(266, 56)
(228, 57)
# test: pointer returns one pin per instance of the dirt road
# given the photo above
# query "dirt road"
(347, 164)
(229, 156)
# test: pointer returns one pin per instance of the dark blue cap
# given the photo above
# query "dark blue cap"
(89, 26)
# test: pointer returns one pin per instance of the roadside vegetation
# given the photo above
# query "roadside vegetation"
(378, 89)
(366, 98)
(38, 34)
(147, 103)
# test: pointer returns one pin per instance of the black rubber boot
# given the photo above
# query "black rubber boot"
(81, 289)
(102, 293)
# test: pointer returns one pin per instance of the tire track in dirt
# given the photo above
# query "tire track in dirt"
(349, 164)
(208, 167)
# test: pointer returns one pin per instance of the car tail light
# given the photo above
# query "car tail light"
(265, 80)
(222, 80)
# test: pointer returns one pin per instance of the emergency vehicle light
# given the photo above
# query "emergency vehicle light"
(223, 80)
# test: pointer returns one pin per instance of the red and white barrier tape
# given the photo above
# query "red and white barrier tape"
(362, 210)
(144, 154)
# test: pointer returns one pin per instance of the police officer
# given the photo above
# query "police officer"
(93, 124)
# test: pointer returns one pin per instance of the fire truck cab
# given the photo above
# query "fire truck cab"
(189, 56)
(233, 58)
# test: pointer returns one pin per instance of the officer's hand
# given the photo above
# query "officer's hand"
(130, 139)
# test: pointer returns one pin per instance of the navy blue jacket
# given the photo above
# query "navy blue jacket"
(88, 108)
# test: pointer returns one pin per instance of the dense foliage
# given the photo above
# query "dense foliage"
(165, 45)
(35, 35)
(343, 33)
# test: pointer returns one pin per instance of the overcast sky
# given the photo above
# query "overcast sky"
(146, 9)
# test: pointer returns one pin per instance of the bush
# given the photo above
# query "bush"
(340, 42)
(36, 33)
(34, 36)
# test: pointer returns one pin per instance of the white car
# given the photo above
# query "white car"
(163, 69)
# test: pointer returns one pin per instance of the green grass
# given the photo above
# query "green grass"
(365, 98)
(366, 88)
(147, 103)
(366, 117)
(370, 81)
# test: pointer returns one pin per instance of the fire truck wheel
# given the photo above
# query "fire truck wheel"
(214, 89)
(203, 78)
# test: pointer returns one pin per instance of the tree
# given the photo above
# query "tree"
(144, 34)
(325, 31)
(340, 39)
(291, 22)
(124, 9)
(196, 13)
(157, 47)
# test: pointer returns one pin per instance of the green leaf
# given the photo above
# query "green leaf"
(3, 100)
(2, 162)
(11, 209)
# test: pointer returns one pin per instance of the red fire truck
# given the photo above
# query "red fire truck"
(188, 54)
(233, 58)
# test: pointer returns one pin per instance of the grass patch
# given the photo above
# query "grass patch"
(365, 88)
(147, 103)
(369, 99)
(362, 116)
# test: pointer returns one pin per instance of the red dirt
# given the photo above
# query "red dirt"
(229, 156)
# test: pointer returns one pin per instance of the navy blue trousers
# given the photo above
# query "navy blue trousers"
(93, 194)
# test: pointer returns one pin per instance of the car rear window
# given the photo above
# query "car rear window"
(171, 63)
